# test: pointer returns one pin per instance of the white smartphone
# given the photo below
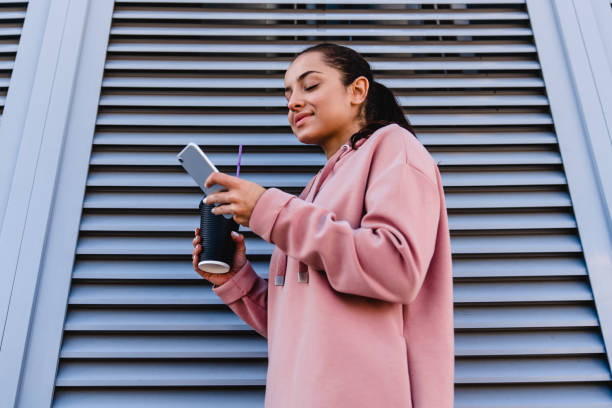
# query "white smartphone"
(199, 167)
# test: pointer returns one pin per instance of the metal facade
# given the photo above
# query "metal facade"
(109, 309)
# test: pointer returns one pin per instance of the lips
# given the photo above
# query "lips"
(300, 116)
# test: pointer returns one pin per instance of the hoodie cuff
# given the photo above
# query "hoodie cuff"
(238, 285)
(266, 210)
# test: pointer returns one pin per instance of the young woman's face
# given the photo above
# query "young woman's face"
(315, 89)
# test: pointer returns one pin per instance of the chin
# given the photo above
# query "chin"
(305, 136)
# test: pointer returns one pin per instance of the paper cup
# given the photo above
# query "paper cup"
(218, 247)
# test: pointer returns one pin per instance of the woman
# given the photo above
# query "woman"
(357, 309)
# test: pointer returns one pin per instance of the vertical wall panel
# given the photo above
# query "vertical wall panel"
(12, 15)
(142, 326)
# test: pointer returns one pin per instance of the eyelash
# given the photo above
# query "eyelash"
(308, 89)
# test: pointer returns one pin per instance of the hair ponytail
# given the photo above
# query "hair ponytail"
(381, 107)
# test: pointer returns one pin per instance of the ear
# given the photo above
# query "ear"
(359, 90)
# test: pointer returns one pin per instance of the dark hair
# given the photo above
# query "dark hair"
(381, 107)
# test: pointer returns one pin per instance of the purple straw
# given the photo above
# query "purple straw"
(239, 158)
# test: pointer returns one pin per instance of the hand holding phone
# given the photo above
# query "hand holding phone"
(199, 167)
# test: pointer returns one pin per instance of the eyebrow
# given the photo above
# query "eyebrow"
(302, 77)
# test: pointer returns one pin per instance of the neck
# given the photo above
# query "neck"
(334, 143)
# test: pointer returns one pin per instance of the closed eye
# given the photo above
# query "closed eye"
(308, 89)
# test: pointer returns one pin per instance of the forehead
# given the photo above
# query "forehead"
(311, 61)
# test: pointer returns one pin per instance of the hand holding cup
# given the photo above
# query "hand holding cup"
(238, 261)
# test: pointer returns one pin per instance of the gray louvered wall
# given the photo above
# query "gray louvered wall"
(142, 326)
(12, 14)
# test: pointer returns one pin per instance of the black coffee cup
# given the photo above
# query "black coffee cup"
(218, 247)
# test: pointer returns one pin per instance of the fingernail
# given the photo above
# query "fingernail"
(205, 198)
(234, 233)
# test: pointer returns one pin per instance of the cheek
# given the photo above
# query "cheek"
(327, 107)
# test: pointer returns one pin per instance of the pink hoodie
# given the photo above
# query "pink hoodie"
(364, 317)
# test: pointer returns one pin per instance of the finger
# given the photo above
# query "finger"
(222, 179)
(221, 197)
(223, 209)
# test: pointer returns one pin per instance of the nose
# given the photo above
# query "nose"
(295, 101)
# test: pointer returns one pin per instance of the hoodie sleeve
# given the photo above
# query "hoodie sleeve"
(386, 258)
(246, 293)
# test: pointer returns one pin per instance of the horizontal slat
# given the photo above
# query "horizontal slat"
(564, 395)
(525, 291)
(408, 82)
(523, 317)
(248, 120)
(183, 222)
(159, 397)
(523, 343)
(161, 100)
(161, 158)
(190, 319)
(516, 267)
(427, 137)
(7, 65)
(327, 30)
(8, 49)
(463, 268)
(278, 15)
(504, 244)
(270, 47)
(199, 293)
(161, 373)
(142, 294)
(518, 370)
(482, 244)
(253, 372)
(475, 156)
(158, 269)
(12, 14)
(506, 199)
(212, 345)
(151, 245)
(481, 137)
(9, 31)
(174, 63)
(178, 200)
(511, 221)
(100, 345)
(84, 319)
(484, 177)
